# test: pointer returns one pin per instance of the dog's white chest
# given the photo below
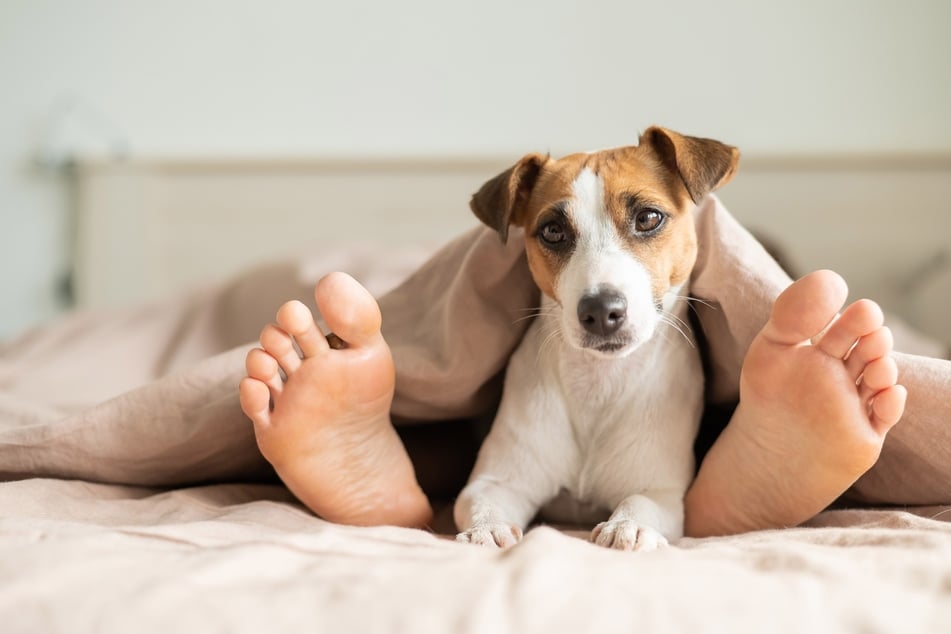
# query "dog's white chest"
(629, 423)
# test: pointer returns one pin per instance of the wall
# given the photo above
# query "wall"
(424, 77)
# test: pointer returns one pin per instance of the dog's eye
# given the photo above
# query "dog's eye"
(553, 233)
(648, 220)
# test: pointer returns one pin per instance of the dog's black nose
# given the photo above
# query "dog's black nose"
(602, 313)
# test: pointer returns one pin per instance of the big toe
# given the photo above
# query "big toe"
(806, 307)
(349, 310)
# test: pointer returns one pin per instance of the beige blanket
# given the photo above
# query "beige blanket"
(135, 500)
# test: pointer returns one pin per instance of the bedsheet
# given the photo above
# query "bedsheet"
(81, 557)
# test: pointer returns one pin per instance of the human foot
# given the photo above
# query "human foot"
(818, 393)
(325, 427)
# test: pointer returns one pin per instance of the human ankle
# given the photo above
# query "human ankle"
(712, 505)
(705, 513)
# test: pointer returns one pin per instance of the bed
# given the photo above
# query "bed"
(133, 499)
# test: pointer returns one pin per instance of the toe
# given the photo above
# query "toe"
(649, 540)
(255, 400)
(888, 407)
(349, 310)
(869, 348)
(279, 345)
(263, 367)
(859, 319)
(878, 375)
(296, 320)
(806, 307)
(603, 534)
(507, 537)
(626, 538)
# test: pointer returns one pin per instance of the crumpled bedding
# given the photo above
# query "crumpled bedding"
(133, 499)
(83, 557)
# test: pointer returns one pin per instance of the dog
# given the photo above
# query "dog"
(602, 399)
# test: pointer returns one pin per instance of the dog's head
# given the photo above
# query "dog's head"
(610, 235)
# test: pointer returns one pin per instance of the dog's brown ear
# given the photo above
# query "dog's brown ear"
(499, 202)
(704, 165)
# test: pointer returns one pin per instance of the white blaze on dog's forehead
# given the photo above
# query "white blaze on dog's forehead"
(587, 188)
(602, 258)
(594, 237)
(588, 212)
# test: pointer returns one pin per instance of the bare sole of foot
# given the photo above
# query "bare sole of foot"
(818, 394)
(321, 413)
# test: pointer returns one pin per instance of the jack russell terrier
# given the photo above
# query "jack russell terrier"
(601, 403)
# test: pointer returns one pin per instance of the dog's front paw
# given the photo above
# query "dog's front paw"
(492, 535)
(627, 535)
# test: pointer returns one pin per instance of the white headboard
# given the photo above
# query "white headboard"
(148, 227)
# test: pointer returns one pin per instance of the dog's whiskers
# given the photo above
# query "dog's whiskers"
(668, 318)
(674, 318)
(531, 316)
(690, 301)
(691, 298)
(534, 312)
(549, 339)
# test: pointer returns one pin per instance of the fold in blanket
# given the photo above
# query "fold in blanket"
(240, 558)
(452, 325)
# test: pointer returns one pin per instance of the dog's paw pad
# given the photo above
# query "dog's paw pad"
(627, 535)
(492, 535)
